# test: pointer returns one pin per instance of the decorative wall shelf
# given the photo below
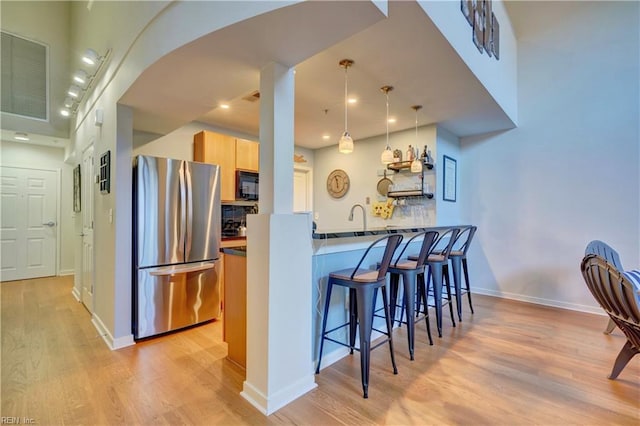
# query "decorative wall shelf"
(405, 165)
(410, 193)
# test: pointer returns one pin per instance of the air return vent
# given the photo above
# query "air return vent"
(253, 96)
(24, 77)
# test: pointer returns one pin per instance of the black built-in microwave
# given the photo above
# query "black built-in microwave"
(246, 186)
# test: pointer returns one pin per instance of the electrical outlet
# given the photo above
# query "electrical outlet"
(367, 201)
(316, 216)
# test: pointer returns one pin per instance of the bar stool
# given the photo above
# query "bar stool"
(363, 285)
(458, 257)
(438, 262)
(409, 270)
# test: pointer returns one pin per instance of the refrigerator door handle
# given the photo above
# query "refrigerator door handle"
(183, 202)
(180, 269)
(189, 210)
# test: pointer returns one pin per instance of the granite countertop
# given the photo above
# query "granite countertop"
(326, 234)
(235, 251)
(233, 238)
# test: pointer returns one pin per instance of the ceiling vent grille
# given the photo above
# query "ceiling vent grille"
(253, 96)
(24, 77)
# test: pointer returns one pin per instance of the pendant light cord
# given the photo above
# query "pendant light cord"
(346, 100)
(388, 147)
(416, 127)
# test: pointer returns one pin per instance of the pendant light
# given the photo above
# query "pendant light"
(345, 145)
(416, 165)
(387, 154)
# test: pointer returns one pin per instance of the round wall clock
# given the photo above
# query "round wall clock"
(337, 183)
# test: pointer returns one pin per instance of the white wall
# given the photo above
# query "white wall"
(47, 23)
(141, 42)
(308, 154)
(449, 212)
(17, 154)
(497, 76)
(569, 173)
(179, 143)
(365, 170)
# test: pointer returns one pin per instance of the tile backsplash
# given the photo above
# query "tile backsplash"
(233, 216)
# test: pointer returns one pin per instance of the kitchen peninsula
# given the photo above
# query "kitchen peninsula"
(334, 250)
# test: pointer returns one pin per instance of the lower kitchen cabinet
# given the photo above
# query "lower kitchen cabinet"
(235, 307)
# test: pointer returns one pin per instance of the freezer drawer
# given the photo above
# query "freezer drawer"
(172, 297)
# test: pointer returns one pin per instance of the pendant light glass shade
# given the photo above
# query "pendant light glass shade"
(387, 155)
(345, 145)
(416, 165)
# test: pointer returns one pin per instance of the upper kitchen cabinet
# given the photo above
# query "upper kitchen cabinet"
(247, 155)
(215, 148)
(230, 154)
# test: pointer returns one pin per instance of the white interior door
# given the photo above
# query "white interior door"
(302, 189)
(86, 203)
(29, 223)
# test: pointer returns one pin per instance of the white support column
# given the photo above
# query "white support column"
(277, 90)
(279, 253)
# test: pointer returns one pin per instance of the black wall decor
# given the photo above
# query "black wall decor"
(77, 205)
(105, 172)
(485, 29)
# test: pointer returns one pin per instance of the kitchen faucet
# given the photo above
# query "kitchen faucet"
(364, 215)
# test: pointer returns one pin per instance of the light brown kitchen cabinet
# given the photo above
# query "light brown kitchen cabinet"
(247, 155)
(216, 148)
(235, 308)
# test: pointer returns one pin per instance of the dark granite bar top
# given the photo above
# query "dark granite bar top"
(233, 238)
(235, 251)
(323, 235)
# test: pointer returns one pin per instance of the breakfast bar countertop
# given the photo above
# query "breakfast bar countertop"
(345, 233)
(235, 251)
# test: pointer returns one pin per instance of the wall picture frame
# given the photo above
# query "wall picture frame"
(449, 178)
(466, 7)
(77, 201)
(105, 173)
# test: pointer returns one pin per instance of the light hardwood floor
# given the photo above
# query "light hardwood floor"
(510, 363)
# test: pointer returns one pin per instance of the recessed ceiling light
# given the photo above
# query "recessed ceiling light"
(352, 100)
(19, 136)
(224, 106)
(65, 112)
(392, 120)
(326, 137)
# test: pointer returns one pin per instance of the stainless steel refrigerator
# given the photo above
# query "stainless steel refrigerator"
(176, 239)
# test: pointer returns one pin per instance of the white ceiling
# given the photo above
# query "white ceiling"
(404, 50)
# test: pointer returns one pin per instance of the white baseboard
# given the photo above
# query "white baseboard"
(333, 357)
(541, 301)
(64, 272)
(270, 404)
(76, 294)
(113, 344)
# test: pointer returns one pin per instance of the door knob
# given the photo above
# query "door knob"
(50, 223)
